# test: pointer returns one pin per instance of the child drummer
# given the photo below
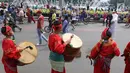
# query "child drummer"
(57, 49)
(11, 53)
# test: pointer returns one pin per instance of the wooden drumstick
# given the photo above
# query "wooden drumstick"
(71, 39)
(90, 59)
(28, 47)
(72, 36)
(88, 52)
(87, 56)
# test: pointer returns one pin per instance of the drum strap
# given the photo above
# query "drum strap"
(100, 48)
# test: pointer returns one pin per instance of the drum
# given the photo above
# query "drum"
(28, 55)
(73, 49)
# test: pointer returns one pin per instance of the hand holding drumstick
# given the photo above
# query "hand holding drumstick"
(21, 49)
(69, 40)
(88, 56)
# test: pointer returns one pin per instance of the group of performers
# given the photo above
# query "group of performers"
(11, 52)
(102, 53)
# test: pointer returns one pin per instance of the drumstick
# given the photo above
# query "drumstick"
(90, 59)
(72, 36)
(88, 52)
(87, 56)
(28, 47)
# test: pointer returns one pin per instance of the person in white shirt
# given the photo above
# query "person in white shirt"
(21, 16)
(74, 18)
(113, 24)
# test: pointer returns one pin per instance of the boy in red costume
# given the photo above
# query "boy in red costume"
(11, 53)
(103, 52)
(57, 48)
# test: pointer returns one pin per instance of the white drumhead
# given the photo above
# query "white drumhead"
(28, 56)
(76, 42)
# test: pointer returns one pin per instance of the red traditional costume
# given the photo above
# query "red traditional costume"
(104, 16)
(10, 54)
(127, 58)
(56, 52)
(102, 56)
(30, 15)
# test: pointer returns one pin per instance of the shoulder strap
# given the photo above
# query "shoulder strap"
(100, 48)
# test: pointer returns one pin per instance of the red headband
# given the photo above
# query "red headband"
(104, 33)
(55, 26)
(8, 28)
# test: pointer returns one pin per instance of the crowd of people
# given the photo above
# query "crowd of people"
(102, 53)
(96, 15)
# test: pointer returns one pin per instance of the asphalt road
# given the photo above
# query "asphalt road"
(89, 34)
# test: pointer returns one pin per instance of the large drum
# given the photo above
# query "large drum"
(28, 55)
(73, 49)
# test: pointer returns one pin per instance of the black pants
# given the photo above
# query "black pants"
(13, 26)
(50, 24)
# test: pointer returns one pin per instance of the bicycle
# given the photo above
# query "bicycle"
(47, 29)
